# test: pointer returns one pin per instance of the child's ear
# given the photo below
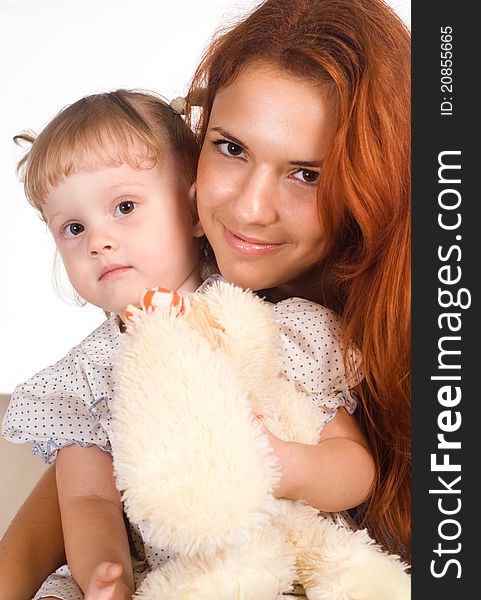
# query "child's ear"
(197, 227)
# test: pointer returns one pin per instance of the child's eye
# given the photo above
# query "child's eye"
(73, 229)
(306, 176)
(124, 208)
(229, 148)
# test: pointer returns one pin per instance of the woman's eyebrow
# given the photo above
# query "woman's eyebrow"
(229, 135)
(306, 163)
(295, 163)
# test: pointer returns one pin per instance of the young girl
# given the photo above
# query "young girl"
(110, 175)
(104, 176)
(356, 54)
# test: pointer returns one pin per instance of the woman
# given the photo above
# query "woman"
(358, 51)
(354, 54)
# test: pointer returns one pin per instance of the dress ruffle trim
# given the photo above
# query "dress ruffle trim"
(48, 449)
(331, 404)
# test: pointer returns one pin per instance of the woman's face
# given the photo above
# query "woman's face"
(258, 174)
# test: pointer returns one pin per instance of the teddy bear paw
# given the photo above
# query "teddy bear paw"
(218, 584)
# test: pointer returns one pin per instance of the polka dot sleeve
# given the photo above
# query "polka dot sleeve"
(312, 355)
(67, 402)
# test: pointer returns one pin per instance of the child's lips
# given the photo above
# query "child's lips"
(110, 271)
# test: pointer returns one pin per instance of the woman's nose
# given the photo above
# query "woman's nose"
(255, 201)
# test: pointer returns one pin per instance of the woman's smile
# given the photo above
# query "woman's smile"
(248, 245)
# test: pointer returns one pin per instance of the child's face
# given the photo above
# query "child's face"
(257, 177)
(120, 230)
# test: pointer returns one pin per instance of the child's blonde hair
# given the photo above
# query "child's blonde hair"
(123, 126)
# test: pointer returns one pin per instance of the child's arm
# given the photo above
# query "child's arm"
(335, 474)
(32, 546)
(92, 518)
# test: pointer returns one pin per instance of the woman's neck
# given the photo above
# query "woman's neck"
(316, 285)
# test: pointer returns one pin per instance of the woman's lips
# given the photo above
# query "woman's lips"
(249, 245)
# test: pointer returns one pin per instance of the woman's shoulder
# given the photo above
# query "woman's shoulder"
(297, 305)
(302, 313)
(308, 329)
(313, 355)
(214, 278)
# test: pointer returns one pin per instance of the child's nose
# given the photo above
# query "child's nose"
(101, 243)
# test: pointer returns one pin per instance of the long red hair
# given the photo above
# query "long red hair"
(361, 49)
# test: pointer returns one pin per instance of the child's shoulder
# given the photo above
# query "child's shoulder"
(98, 347)
(100, 344)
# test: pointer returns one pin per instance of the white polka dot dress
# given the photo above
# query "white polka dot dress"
(312, 355)
(69, 402)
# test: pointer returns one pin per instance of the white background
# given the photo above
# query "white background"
(51, 54)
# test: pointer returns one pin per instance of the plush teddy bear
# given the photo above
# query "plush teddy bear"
(194, 463)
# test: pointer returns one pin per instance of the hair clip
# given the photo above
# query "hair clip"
(178, 105)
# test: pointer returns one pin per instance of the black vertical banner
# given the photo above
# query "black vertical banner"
(446, 166)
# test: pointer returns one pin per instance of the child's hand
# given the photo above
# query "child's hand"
(106, 584)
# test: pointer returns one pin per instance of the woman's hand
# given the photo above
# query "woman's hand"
(334, 475)
(283, 451)
(107, 584)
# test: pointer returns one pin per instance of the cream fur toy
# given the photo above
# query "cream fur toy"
(193, 461)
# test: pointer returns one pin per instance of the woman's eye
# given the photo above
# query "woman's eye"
(307, 176)
(124, 208)
(73, 229)
(229, 148)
